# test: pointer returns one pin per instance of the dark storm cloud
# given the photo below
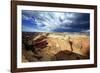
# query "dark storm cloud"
(43, 21)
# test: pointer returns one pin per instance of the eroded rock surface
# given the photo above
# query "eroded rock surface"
(51, 47)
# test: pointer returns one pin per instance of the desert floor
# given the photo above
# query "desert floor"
(54, 47)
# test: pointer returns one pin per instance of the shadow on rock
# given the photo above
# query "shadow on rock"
(68, 55)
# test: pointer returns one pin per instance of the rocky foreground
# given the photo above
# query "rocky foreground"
(54, 47)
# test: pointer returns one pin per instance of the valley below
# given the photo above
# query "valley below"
(40, 46)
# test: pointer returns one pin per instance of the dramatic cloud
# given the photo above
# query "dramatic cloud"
(43, 21)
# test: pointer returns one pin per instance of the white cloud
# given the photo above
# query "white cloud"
(49, 21)
(54, 20)
(25, 17)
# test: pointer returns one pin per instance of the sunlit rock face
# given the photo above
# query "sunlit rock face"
(81, 45)
(57, 47)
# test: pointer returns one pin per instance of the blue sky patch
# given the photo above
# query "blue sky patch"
(49, 21)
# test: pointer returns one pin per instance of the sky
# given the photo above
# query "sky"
(49, 21)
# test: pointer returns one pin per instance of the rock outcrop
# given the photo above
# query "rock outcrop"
(52, 47)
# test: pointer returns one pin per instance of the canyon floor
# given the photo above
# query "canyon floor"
(54, 46)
